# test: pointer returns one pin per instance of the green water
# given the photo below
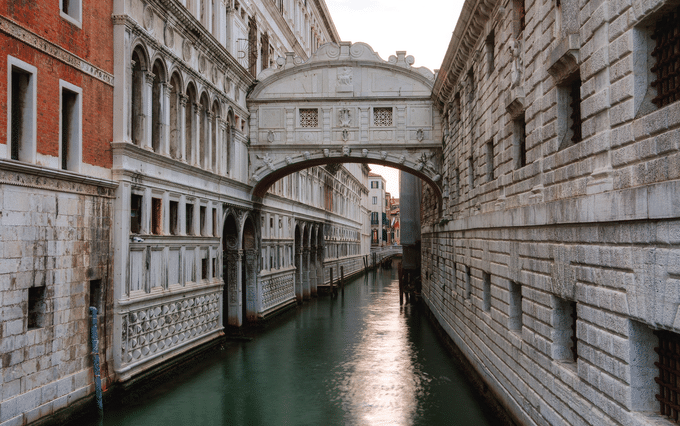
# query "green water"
(361, 359)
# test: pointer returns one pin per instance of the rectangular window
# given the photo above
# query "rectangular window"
(70, 127)
(490, 58)
(37, 307)
(375, 200)
(569, 112)
(204, 269)
(471, 172)
(174, 221)
(666, 59)
(468, 282)
(309, 117)
(22, 120)
(519, 142)
(519, 14)
(382, 117)
(669, 376)
(214, 268)
(471, 84)
(71, 10)
(189, 219)
(96, 295)
(214, 222)
(515, 306)
(565, 341)
(486, 280)
(202, 212)
(136, 213)
(489, 161)
(156, 216)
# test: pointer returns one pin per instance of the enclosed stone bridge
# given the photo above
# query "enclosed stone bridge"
(343, 105)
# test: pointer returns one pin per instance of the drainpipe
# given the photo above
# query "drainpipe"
(94, 338)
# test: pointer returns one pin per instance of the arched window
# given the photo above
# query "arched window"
(175, 108)
(136, 97)
(157, 106)
(214, 134)
(189, 123)
(204, 128)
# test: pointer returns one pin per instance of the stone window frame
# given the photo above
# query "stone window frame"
(27, 151)
(308, 118)
(486, 293)
(74, 14)
(141, 212)
(490, 154)
(490, 46)
(515, 311)
(519, 144)
(566, 134)
(564, 334)
(74, 158)
(37, 308)
(468, 282)
(380, 116)
(174, 223)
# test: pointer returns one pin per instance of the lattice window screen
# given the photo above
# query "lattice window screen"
(669, 373)
(382, 117)
(667, 55)
(309, 117)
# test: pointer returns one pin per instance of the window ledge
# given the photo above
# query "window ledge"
(563, 59)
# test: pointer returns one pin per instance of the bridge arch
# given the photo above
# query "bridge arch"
(344, 105)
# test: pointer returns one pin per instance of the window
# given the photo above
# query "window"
(36, 308)
(22, 123)
(471, 84)
(468, 282)
(71, 10)
(642, 343)
(519, 142)
(668, 375)
(202, 212)
(382, 117)
(96, 295)
(666, 60)
(214, 222)
(309, 117)
(136, 213)
(374, 218)
(489, 161)
(156, 216)
(71, 130)
(204, 269)
(189, 219)
(375, 184)
(515, 308)
(490, 58)
(486, 281)
(565, 342)
(471, 172)
(569, 112)
(519, 14)
(375, 200)
(174, 222)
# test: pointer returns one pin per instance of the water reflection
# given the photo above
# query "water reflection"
(381, 383)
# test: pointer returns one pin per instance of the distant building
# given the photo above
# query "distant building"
(394, 221)
(377, 207)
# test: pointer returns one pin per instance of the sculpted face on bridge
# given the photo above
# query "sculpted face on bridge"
(345, 104)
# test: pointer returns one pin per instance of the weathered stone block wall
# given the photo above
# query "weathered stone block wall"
(56, 236)
(585, 234)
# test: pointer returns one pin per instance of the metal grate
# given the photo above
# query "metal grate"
(382, 117)
(309, 117)
(574, 339)
(667, 54)
(575, 106)
(669, 373)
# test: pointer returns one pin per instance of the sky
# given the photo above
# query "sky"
(422, 28)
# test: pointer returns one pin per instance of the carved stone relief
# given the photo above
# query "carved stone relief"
(187, 50)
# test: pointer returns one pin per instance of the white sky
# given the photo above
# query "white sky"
(422, 28)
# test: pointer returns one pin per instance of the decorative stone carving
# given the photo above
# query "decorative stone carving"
(169, 36)
(517, 65)
(383, 154)
(420, 135)
(202, 64)
(345, 117)
(345, 135)
(186, 50)
(364, 153)
(289, 160)
(148, 19)
(346, 151)
(563, 60)
(267, 161)
(326, 152)
(270, 136)
(307, 155)
(345, 76)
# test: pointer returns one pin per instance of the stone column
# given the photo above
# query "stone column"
(298, 274)
(251, 285)
(147, 97)
(312, 271)
(223, 148)
(128, 102)
(319, 266)
(306, 288)
(196, 130)
(166, 87)
(181, 117)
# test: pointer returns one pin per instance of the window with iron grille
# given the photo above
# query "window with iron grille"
(565, 340)
(309, 117)
(669, 374)
(667, 59)
(382, 117)
(569, 112)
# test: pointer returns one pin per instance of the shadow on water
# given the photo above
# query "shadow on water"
(360, 359)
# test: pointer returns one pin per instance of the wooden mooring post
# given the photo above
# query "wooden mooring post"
(401, 284)
(342, 280)
(333, 291)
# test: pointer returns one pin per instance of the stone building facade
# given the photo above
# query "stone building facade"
(56, 202)
(553, 261)
(376, 196)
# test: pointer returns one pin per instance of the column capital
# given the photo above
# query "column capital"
(183, 99)
(148, 77)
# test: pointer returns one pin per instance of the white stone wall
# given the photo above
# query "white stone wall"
(593, 224)
(55, 236)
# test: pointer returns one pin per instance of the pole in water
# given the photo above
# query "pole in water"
(342, 280)
(94, 338)
(332, 289)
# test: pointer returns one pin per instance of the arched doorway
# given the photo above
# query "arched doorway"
(249, 292)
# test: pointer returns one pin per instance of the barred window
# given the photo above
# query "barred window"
(382, 117)
(667, 59)
(309, 117)
(669, 376)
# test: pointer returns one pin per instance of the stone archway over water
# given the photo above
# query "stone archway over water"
(344, 105)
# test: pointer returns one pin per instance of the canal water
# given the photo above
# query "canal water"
(360, 359)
